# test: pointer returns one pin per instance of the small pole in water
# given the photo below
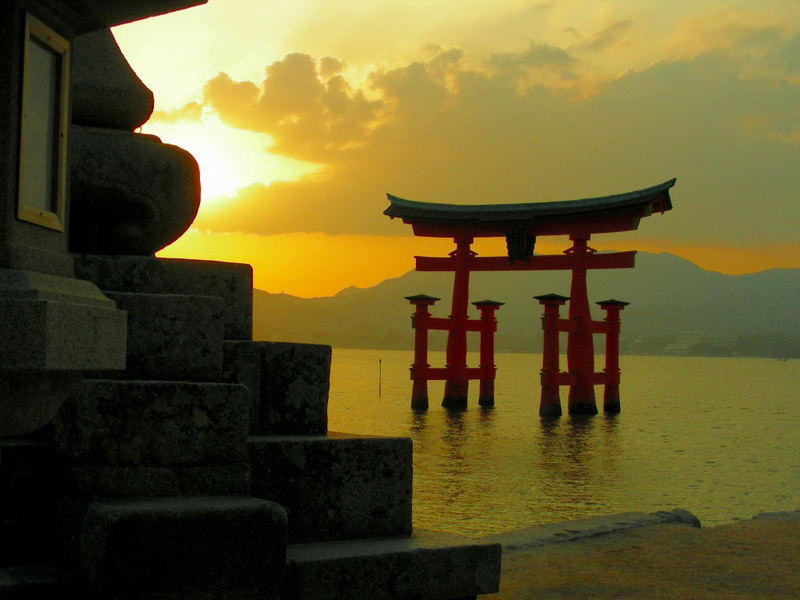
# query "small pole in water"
(379, 378)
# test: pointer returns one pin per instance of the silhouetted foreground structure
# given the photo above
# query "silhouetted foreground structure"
(520, 224)
(151, 449)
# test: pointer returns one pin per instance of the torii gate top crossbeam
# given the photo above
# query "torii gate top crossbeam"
(620, 212)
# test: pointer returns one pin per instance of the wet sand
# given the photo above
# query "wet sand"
(753, 559)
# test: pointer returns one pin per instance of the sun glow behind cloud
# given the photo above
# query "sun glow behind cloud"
(229, 158)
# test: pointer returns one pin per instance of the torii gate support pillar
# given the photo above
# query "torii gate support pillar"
(550, 403)
(488, 327)
(612, 372)
(420, 321)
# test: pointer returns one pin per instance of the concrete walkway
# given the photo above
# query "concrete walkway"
(654, 556)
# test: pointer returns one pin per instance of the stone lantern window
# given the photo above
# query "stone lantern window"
(43, 126)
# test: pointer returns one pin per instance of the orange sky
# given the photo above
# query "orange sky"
(301, 127)
(315, 264)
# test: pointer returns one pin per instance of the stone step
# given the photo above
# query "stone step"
(153, 438)
(183, 548)
(36, 582)
(288, 384)
(174, 337)
(424, 566)
(335, 487)
(233, 282)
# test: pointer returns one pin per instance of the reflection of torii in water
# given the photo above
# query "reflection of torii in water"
(520, 224)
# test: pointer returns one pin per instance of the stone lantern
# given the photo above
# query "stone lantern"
(53, 325)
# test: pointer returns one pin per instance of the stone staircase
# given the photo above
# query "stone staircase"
(206, 470)
(153, 465)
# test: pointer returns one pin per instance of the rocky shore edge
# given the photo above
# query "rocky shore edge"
(570, 531)
(666, 554)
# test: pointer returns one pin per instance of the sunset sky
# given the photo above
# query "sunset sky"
(303, 115)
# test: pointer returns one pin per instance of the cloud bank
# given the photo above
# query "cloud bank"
(527, 126)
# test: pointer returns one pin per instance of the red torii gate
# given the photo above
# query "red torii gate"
(520, 224)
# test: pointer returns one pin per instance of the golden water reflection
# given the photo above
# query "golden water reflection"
(688, 436)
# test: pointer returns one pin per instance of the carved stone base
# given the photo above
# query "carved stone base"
(51, 329)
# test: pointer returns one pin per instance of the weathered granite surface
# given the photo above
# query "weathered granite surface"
(130, 193)
(172, 336)
(288, 383)
(295, 392)
(152, 423)
(200, 547)
(60, 336)
(233, 282)
(58, 324)
(105, 91)
(242, 364)
(335, 487)
(175, 480)
(425, 566)
(51, 328)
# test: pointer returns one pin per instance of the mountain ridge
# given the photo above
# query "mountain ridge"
(668, 295)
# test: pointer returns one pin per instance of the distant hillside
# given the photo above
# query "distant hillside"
(668, 296)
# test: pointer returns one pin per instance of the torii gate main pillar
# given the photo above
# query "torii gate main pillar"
(456, 385)
(580, 346)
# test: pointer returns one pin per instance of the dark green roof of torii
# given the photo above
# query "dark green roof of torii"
(414, 210)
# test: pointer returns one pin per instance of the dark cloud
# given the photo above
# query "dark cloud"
(443, 131)
(236, 103)
(330, 66)
(310, 114)
(738, 29)
(537, 55)
(787, 56)
(190, 112)
(748, 33)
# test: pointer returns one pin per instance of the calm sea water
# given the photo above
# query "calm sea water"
(719, 437)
